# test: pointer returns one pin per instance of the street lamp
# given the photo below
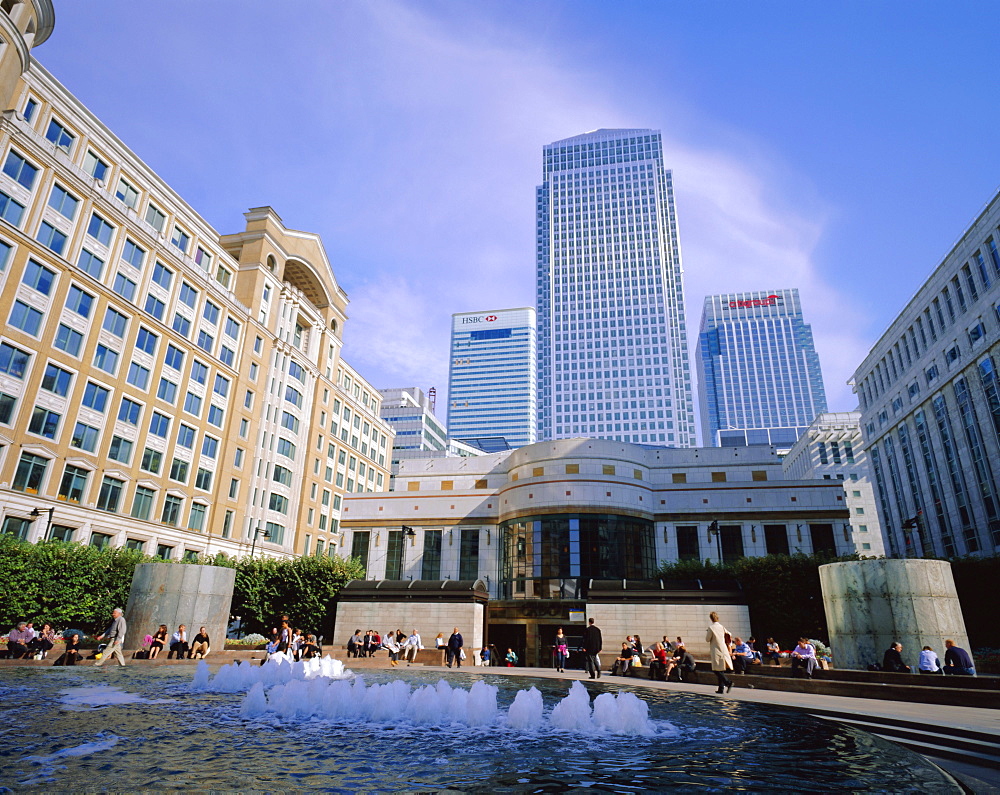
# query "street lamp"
(258, 532)
(713, 529)
(35, 513)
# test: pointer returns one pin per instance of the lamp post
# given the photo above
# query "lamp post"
(36, 512)
(257, 531)
(713, 529)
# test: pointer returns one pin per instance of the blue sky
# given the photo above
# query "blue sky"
(838, 148)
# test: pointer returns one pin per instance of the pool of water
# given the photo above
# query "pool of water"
(86, 729)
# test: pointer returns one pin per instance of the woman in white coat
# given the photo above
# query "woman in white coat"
(721, 661)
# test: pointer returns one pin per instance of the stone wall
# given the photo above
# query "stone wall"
(652, 621)
(173, 594)
(871, 603)
(429, 618)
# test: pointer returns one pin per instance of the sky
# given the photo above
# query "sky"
(841, 148)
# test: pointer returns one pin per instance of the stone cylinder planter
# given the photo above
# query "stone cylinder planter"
(174, 594)
(870, 604)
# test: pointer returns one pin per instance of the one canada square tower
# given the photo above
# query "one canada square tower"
(612, 344)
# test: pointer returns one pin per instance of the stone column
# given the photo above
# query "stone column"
(871, 603)
(179, 593)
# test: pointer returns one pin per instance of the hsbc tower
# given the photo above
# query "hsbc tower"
(491, 376)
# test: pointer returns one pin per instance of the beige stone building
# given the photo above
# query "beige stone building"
(162, 386)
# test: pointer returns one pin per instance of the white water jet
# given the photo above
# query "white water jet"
(279, 669)
(526, 711)
(573, 713)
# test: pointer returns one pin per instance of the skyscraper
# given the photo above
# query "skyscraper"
(612, 345)
(758, 371)
(492, 375)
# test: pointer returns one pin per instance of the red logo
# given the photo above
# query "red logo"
(490, 318)
(771, 300)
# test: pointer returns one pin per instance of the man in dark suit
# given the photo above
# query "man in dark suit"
(454, 650)
(591, 648)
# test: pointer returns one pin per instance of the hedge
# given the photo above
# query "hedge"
(72, 585)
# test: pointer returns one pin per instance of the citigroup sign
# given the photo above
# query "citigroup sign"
(771, 300)
(479, 319)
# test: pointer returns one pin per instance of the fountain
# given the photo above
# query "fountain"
(316, 726)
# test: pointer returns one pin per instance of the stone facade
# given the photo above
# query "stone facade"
(872, 603)
(428, 618)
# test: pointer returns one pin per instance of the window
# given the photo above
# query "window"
(26, 318)
(276, 533)
(192, 404)
(68, 340)
(29, 473)
(199, 372)
(188, 295)
(171, 510)
(286, 448)
(7, 403)
(182, 325)
(976, 333)
(124, 286)
(162, 275)
(206, 341)
(74, 482)
(223, 276)
(152, 460)
(163, 551)
(155, 218)
(196, 521)
(94, 166)
(5, 249)
(38, 277)
(159, 424)
(20, 170)
(56, 380)
(258, 344)
(203, 259)
(138, 376)
(133, 254)
(106, 359)
(142, 503)
(79, 301)
(295, 371)
(293, 396)
(211, 313)
(209, 447)
(29, 110)
(185, 436)
(203, 479)
(221, 386)
(44, 422)
(278, 503)
(290, 421)
(13, 361)
(128, 195)
(238, 457)
(59, 135)
(129, 411)
(155, 307)
(110, 495)
(120, 450)
(11, 210)
(100, 230)
(51, 238)
(227, 355)
(85, 437)
(232, 328)
(61, 532)
(248, 399)
(718, 477)
(180, 240)
(100, 540)
(146, 340)
(179, 470)
(174, 357)
(951, 355)
(216, 416)
(90, 264)
(282, 475)
(62, 202)
(135, 543)
(234, 488)
(244, 428)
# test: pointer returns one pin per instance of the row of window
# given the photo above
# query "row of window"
(19, 527)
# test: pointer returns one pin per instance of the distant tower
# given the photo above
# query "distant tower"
(491, 378)
(758, 370)
(432, 397)
(612, 342)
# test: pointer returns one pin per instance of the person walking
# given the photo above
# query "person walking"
(115, 633)
(591, 648)
(717, 638)
(561, 651)
(957, 662)
(454, 651)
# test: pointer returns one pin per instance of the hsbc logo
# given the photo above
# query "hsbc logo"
(771, 300)
(479, 319)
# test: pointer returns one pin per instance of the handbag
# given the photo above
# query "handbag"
(636, 661)
(461, 654)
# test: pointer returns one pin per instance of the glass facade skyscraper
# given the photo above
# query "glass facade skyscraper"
(758, 370)
(612, 343)
(492, 376)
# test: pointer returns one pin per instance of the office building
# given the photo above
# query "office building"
(492, 376)
(930, 405)
(546, 524)
(612, 339)
(409, 411)
(162, 387)
(832, 449)
(758, 371)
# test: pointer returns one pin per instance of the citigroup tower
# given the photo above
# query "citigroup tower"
(612, 346)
